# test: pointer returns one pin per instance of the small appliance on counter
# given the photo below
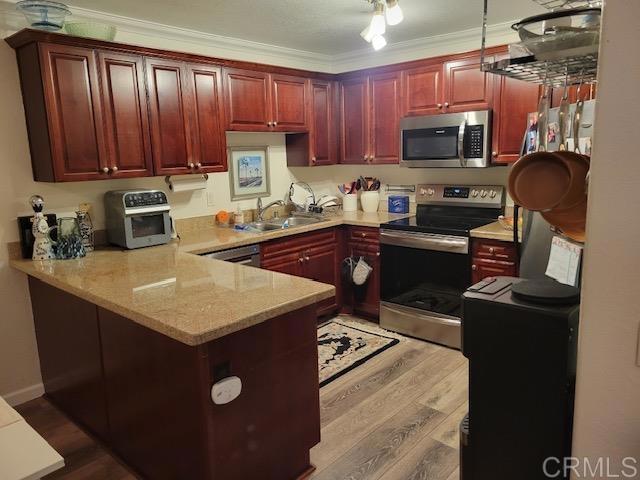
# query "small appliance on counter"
(452, 140)
(426, 259)
(522, 368)
(137, 218)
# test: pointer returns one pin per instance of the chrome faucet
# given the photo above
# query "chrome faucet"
(262, 209)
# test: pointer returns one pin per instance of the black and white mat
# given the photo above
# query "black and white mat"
(343, 345)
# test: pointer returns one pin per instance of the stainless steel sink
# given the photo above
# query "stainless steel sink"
(293, 221)
(264, 226)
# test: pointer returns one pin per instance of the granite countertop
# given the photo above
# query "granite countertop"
(493, 231)
(213, 239)
(192, 299)
(189, 298)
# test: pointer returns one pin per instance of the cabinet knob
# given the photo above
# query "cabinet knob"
(363, 235)
(492, 250)
(191, 165)
(105, 169)
(275, 124)
(198, 165)
(313, 159)
(495, 154)
(364, 157)
(114, 169)
(306, 259)
(446, 104)
(301, 259)
(474, 267)
(439, 105)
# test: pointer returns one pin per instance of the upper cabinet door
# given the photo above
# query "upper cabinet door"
(207, 122)
(354, 104)
(72, 96)
(126, 116)
(323, 131)
(385, 116)
(172, 149)
(289, 103)
(466, 86)
(514, 100)
(423, 90)
(247, 100)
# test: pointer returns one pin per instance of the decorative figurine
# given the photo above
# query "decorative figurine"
(42, 245)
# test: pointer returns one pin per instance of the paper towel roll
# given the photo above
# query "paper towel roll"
(187, 183)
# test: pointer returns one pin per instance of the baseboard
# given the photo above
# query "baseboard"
(24, 394)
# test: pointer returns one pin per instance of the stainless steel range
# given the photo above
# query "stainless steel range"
(426, 261)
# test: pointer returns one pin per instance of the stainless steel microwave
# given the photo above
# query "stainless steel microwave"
(137, 218)
(450, 140)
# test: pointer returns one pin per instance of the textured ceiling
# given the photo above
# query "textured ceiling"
(319, 26)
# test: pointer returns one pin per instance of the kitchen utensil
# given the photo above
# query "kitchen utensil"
(364, 184)
(571, 222)
(577, 119)
(577, 191)
(543, 117)
(563, 116)
(539, 181)
(370, 201)
(44, 14)
(549, 24)
(99, 31)
(342, 188)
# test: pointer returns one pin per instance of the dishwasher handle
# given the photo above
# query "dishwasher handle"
(249, 255)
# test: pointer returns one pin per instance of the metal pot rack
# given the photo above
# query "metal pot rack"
(565, 67)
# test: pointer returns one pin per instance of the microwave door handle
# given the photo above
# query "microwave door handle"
(461, 131)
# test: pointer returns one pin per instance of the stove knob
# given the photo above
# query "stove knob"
(493, 194)
(483, 193)
(423, 191)
(474, 193)
(430, 192)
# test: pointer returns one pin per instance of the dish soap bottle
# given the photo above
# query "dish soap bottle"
(238, 217)
(86, 226)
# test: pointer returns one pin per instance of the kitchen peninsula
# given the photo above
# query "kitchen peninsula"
(131, 342)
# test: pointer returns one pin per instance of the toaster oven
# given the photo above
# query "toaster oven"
(137, 218)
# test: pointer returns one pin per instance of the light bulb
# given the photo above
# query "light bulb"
(378, 42)
(394, 12)
(367, 33)
(378, 26)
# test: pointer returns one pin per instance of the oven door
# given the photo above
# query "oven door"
(423, 279)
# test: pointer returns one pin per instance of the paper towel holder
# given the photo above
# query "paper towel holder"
(167, 179)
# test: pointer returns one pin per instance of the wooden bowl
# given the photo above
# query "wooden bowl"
(539, 181)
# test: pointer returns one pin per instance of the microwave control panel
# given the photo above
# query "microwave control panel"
(473, 141)
(145, 199)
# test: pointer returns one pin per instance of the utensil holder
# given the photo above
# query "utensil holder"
(370, 201)
(350, 203)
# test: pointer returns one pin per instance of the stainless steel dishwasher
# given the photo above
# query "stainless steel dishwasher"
(249, 255)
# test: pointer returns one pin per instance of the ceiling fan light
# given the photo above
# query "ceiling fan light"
(378, 42)
(378, 25)
(367, 34)
(393, 12)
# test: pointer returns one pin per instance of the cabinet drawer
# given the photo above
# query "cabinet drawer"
(494, 250)
(482, 268)
(295, 244)
(364, 234)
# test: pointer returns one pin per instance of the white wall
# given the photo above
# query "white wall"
(19, 366)
(607, 418)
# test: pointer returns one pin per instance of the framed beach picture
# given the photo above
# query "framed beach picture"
(249, 172)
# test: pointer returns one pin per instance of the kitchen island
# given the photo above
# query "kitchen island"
(131, 342)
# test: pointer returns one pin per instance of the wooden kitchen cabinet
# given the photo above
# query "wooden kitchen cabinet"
(370, 108)
(126, 121)
(513, 101)
(466, 87)
(186, 120)
(316, 255)
(259, 101)
(320, 145)
(365, 300)
(67, 138)
(491, 258)
(423, 90)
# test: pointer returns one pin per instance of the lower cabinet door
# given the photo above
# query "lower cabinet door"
(366, 298)
(323, 265)
(481, 269)
(290, 264)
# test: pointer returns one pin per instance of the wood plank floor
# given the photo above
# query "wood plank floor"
(395, 417)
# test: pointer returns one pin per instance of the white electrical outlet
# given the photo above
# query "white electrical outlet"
(211, 199)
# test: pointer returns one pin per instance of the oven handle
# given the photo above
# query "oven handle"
(461, 131)
(425, 241)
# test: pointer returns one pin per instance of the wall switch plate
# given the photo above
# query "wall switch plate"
(211, 199)
(226, 390)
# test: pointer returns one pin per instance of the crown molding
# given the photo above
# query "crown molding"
(151, 34)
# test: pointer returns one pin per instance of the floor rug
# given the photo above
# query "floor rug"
(342, 347)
